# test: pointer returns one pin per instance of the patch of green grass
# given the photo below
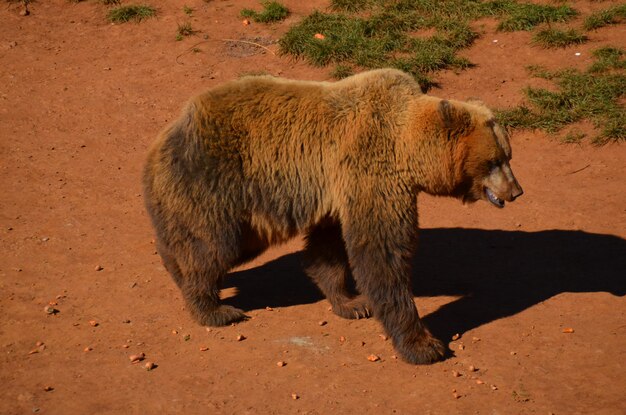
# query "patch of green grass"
(607, 59)
(125, 14)
(272, 12)
(383, 39)
(596, 94)
(342, 71)
(557, 38)
(183, 30)
(525, 16)
(351, 6)
(612, 15)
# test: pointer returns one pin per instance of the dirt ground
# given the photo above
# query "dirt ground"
(80, 101)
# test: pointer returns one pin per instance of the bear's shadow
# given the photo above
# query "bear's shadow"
(495, 273)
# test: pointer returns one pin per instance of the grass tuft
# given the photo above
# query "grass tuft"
(612, 15)
(596, 94)
(272, 12)
(342, 71)
(556, 38)
(183, 30)
(351, 6)
(125, 14)
(110, 2)
(525, 16)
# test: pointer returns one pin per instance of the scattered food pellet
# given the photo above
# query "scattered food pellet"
(281, 364)
(568, 330)
(294, 396)
(323, 323)
(240, 337)
(204, 349)
(384, 337)
(48, 388)
(373, 358)
(99, 268)
(135, 358)
(456, 337)
(456, 374)
(319, 36)
(93, 323)
(50, 310)
(149, 366)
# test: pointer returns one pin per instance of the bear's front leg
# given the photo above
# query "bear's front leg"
(380, 253)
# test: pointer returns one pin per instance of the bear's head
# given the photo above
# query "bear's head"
(482, 153)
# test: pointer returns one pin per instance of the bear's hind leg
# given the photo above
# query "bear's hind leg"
(326, 262)
(202, 271)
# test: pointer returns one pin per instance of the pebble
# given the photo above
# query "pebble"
(50, 310)
(456, 337)
(373, 358)
(99, 268)
(204, 349)
(149, 366)
(323, 323)
(93, 323)
(240, 337)
(48, 388)
(568, 330)
(136, 358)
(295, 396)
(280, 364)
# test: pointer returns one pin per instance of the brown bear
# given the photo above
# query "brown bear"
(259, 160)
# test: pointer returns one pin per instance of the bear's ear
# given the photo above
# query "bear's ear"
(454, 119)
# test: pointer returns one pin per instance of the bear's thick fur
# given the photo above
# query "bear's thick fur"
(259, 160)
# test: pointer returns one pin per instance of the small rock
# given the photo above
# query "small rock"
(281, 364)
(93, 323)
(456, 374)
(319, 36)
(475, 339)
(136, 358)
(461, 347)
(149, 366)
(39, 343)
(479, 382)
(245, 22)
(373, 358)
(494, 388)
(87, 349)
(455, 395)
(240, 337)
(126, 321)
(342, 339)
(456, 337)
(269, 309)
(204, 349)
(48, 388)
(295, 396)
(384, 337)
(472, 368)
(323, 323)
(99, 268)
(568, 330)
